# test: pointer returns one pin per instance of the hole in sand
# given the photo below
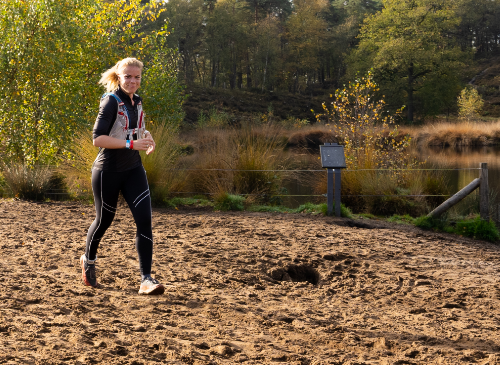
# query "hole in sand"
(295, 273)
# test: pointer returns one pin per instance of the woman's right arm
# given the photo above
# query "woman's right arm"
(103, 124)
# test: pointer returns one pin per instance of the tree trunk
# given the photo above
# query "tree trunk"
(232, 79)
(249, 74)
(410, 93)
(214, 73)
(199, 73)
(240, 80)
(265, 68)
(256, 11)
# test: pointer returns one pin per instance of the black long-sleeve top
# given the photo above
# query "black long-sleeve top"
(115, 160)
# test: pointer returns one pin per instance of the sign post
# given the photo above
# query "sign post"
(333, 159)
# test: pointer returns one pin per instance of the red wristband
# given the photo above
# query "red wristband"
(131, 144)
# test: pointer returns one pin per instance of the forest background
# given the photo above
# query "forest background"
(227, 63)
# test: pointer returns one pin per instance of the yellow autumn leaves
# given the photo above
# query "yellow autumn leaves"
(365, 127)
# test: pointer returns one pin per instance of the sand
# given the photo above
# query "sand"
(250, 288)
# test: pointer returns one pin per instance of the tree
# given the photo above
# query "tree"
(51, 56)
(186, 19)
(226, 42)
(305, 35)
(480, 25)
(408, 44)
(470, 104)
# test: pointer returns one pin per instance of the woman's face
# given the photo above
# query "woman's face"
(130, 79)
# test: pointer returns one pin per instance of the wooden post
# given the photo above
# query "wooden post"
(329, 193)
(484, 210)
(337, 192)
(455, 198)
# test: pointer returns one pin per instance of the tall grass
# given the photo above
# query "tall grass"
(366, 189)
(223, 158)
(159, 165)
(456, 134)
(26, 182)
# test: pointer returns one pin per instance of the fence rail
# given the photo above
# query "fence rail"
(56, 192)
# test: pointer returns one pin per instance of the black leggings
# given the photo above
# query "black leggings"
(134, 187)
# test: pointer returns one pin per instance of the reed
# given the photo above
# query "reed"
(160, 166)
(237, 161)
(26, 182)
(456, 134)
(162, 178)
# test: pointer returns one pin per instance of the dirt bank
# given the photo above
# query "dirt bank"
(369, 293)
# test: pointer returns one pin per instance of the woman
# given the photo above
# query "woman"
(120, 134)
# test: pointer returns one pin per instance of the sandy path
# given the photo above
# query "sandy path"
(384, 294)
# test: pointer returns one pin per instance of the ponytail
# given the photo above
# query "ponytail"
(109, 79)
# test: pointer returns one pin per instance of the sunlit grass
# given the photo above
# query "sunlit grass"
(456, 133)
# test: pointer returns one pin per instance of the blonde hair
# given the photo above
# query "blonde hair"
(109, 78)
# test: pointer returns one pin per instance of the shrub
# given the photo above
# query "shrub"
(189, 201)
(226, 202)
(294, 123)
(308, 208)
(213, 119)
(57, 189)
(344, 211)
(470, 104)
(26, 182)
(3, 186)
(237, 161)
(426, 222)
(384, 193)
(372, 142)
(358, 119)
(478, 229)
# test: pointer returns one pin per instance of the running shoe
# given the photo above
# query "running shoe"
(88, 272)
(151, 286)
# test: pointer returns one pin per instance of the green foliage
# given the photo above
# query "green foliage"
(305, 37)
(307, 208)
(399, 205)
(214, 119)
(225, 202)
(478, 229)
(430, 223)
(344, 211)
(295, 123)
(401, 219)
(470, 104)
(3, 186)
(190, 201)
(160, 89)
(406, 44)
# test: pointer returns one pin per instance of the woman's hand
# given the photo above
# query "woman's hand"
(145, 144)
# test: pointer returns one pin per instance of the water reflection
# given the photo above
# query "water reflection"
(465, 158)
